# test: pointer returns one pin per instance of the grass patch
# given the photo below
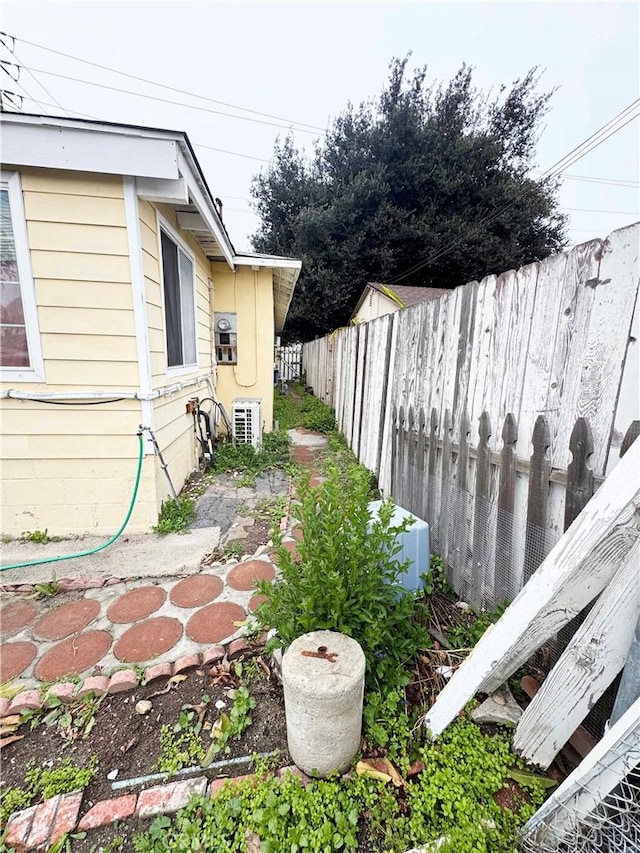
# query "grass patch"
(175, 517)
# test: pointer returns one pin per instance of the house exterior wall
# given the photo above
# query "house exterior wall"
(249, 294)
(71, 468)
(172, 424)
(375, 304)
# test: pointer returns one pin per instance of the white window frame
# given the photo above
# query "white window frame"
(35, 371)
(170, 231)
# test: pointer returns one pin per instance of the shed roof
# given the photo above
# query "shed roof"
(402, 295)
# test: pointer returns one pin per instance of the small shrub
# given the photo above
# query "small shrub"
(346, 579)
(175, 517)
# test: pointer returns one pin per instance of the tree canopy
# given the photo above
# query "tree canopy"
(427, 176)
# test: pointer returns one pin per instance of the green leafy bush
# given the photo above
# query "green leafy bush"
(175, 517)
(346, 579)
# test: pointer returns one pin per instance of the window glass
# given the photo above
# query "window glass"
(14, 351)
(178, 283)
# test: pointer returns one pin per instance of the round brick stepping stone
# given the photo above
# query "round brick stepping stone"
(244, 575)
(214, 623)
(14, 659)
(74, 655)
(137, 604)
(196, 591)
(255, 601)
(67, 619)
(16, 616)
(147, 640)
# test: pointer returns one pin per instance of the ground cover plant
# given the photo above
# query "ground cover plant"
(298, 408)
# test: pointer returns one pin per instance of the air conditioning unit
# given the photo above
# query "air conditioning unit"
(247, 420)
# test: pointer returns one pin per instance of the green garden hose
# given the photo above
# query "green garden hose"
(100, 547)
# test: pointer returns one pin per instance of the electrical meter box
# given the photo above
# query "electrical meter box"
(225, 333)
(414, 544)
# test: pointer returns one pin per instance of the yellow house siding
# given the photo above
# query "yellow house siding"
(250, 295)
(173, 427)
(71, 468)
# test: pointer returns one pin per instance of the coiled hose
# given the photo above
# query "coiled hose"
(105, 544)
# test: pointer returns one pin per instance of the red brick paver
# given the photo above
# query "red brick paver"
(66, 620)
(42, 822)
(137, 604)
(196, 591)
(255, 601)
(123, 679)
(244, 575)
(166, 799)
(66, 816)
(16, 616)
(74, 655)
(215, 622)
(14, 659)
(19, 827)
(147, 640)
(105, 812)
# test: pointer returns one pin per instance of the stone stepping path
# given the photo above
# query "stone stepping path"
(97, 631)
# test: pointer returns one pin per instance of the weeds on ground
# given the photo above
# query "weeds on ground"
(452, 802)
(45, 588)
(181, 744)
(346, 578)
(298, 408)
(73, 720)
(175, 516)
(249, 461)
(231, 726)
(467, 634)
(38, 537)
(44, 783)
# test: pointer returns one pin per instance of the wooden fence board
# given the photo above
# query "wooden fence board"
(579, 567)
(543, 340)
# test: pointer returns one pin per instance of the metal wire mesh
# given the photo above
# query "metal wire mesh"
(593, 819)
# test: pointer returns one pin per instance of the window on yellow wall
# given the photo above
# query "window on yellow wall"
(20, 353)
(179, 303)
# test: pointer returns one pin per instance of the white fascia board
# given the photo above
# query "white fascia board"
(87, 149)
(202, 201)
(272, 262)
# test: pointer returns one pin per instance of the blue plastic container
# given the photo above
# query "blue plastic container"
(415, 545)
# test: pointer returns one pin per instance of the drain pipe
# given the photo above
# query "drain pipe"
(163, 464)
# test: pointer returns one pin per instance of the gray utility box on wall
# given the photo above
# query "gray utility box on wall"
(225, 333)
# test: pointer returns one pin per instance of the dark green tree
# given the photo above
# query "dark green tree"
(426, 185)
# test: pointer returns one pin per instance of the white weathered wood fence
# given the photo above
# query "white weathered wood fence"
(474, 410)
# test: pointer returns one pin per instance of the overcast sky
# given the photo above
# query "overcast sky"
(304, 61)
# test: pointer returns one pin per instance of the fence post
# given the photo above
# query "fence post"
(540, 470)
(431, 475)
(420, 480)
(444, 527)
(480, 563)
(504, 568)
(461, 520)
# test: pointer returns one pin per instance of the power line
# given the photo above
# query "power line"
(166, 86)
(42, 86)
(589, 210)
(592, 142)
(592, 179)
(173, 103)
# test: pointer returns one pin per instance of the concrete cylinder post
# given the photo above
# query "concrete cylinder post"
(323, 680)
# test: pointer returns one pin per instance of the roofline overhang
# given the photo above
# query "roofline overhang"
(167, 156)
